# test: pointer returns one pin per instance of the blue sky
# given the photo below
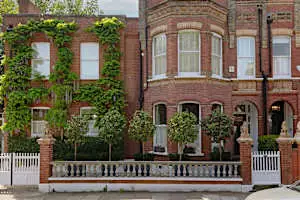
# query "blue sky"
(120, 7)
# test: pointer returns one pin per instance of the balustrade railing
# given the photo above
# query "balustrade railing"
(145, 169)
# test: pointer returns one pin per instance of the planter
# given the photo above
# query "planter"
(189, 150)
(159, 149)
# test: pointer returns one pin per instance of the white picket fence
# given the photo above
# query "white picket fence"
(266, 168)
(19, 168)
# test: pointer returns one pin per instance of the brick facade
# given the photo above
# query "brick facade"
(228, 18)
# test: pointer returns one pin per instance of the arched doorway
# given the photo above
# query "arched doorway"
(280, 111)
(246, 112)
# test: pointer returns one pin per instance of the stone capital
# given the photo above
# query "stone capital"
(245, 137)
(284, 140)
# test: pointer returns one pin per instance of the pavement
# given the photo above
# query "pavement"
(31, 193)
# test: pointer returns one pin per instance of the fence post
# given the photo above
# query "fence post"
(46, 152)
(245, 142)
(285, 147)
(297, 140)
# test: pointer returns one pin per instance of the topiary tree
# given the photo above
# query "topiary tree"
(76, 130)
(218, 125)
(141, 127)
(182, 130)
(111, 128)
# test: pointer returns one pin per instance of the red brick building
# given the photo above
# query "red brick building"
(197, 55)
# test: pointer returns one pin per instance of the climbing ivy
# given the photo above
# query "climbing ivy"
(107, 92)
(15, 87)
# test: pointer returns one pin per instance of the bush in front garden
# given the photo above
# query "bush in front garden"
(268, 143)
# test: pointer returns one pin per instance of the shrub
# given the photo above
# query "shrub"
(267, 143)
(215, 155)
(147, 157)
(176, 157)
(23, 144)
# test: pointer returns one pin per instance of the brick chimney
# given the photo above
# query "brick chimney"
(27, 7)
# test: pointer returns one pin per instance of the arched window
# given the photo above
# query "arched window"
(217, 106)
(193, 107)
(160, 140)
(189, 53)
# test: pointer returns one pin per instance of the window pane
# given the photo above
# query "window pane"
(41, 66)
(281, 49)
(189, 62)
(281, 66)
(216, 63)
(246, 67)
(216, 45)
(89, 51)
(246, 57)
(39, 114)
(89, 70)
(160, 114)
(41, 50)
(246, 47)
(191, 107)
(189, 41)
(159, 54)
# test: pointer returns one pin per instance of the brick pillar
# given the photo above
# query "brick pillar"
(5, 142)
(297, 140)
(285, 147)
(46, 151)
(245, 142)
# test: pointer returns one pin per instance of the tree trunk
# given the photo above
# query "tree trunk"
(220, 150)
(180, 152)
(143, 149)
(75, 151)
(109, 152)
(62, 134)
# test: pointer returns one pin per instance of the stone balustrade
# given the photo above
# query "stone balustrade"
(169, 169)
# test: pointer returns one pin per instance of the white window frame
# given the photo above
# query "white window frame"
(161, 125)
(159, 76)
(199, 149)
(188, 74)
(275, 76)
(219, 56)
(243, 76)
(92, 134)
(42, 121)
(82, 76)
(47, 74)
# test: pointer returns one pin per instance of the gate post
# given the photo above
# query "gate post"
(46, 152)
(245, 142)
(285, 147)
(297, 140)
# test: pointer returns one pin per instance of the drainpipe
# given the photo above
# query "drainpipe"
(141, 97)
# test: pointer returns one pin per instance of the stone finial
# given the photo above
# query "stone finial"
(284, 135)
(47, 138)
(297, 135)
(245, 137)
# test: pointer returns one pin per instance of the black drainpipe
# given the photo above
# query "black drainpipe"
(141, 97)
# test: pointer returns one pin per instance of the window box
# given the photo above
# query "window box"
(189, 150)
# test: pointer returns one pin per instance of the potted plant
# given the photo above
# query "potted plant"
(189, 150)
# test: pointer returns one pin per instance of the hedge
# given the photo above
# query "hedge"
(23, 144)
(268, 143)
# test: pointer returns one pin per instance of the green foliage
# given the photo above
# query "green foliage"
(182, 130)
(111, 128)
(76, 130)
(267, 143)
(218, 125)
(15, 83)
(93, 149)
(141, 127)
(68, 7)
(23, 144)
(7, 7)
(143, 157)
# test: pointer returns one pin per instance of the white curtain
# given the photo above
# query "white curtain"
(281, 57)
(89, 61)
(159, 55)
(189, 51)
(216, 55)
(246, 57)
(41, 58)
(161, 132)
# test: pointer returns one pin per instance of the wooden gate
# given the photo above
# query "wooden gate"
(19, 169)
(266, 168)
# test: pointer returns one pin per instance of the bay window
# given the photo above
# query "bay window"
(89, 113)
(216, 55)
(281, 57)
(159, 56)
(160, 140)
(189, 53)
(89, 61)
(38, 122)
(246, 57)
(40, 62)
(195, 147)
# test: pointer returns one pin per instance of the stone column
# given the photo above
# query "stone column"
(285, 147)
(297, 140)
(245, 142)
(46, 152)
